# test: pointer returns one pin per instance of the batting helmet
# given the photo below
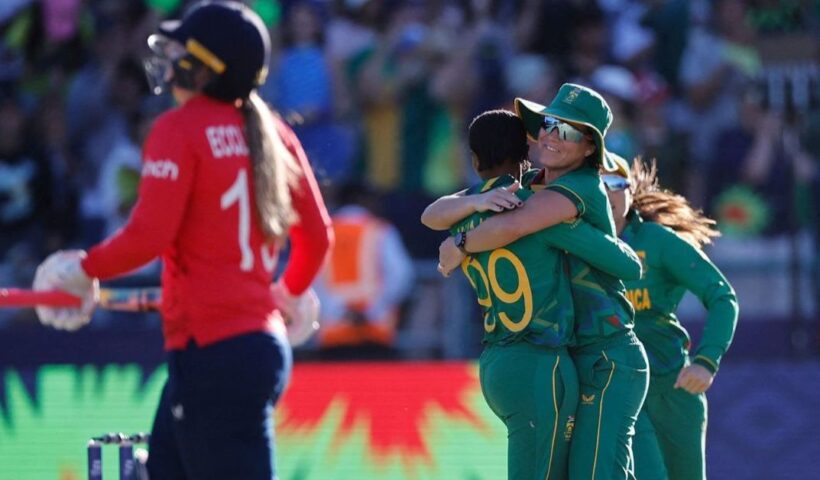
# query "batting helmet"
(227, 38)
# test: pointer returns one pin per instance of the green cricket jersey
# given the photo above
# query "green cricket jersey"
(523, 288)
(601, 306)
(585, 189)
(671, 267)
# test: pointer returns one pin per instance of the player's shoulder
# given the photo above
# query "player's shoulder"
(169, 117)
(169, 126)
(585, 182)
(658, 230)
(490, 184)
(179, 118)
(580, 176)
(665, 237)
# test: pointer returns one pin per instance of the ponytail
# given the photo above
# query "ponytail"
(275, 170)
(667, 208)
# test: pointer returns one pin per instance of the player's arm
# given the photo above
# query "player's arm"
(602, 251)
(165, 185)
(691, 268)
(312, 236)
(542, 210)
(450, 209)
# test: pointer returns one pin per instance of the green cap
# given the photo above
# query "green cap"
(620, 163)
(576, 104)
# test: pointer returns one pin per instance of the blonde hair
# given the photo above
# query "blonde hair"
(275, 170)
(667, 208)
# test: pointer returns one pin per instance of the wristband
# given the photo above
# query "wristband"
(706, 363)
(460, 240)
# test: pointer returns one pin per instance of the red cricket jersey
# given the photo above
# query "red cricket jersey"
(196, 209)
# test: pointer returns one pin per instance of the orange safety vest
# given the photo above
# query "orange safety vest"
(353, 273)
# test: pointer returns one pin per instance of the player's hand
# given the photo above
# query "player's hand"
(301, 312)
(62, 271)
(694, 379)
(498, 199)
(449, 257)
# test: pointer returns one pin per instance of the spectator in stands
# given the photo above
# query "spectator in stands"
(588, 44)
(619, 88)
(530, 76)
(24, 180)
(406, 124)
(764, 153)
(302, 88)
(24, 199)
(669, 23)
(717, 64)
(51, 130)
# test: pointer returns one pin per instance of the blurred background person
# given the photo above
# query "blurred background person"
(720, 60)
(764, 155)
(26, 219)
(619, 87)
(303, 87)
(367, 277)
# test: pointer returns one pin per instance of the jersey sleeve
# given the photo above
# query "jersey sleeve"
(168, 172)
(312, 236)
(692, 269)
(573, 186)
(602, 251)
(532, 176)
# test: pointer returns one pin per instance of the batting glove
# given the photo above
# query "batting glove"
(62, 271)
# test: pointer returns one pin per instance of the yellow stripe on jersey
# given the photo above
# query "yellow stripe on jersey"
(557, 414)
(489, 184)
(600, 415)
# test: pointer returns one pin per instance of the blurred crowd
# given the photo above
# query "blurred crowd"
(725, 94)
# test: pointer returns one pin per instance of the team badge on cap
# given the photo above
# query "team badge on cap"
(572, 96)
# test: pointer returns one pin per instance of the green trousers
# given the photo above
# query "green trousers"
(613, 377)
(534, 391)
(670, 438)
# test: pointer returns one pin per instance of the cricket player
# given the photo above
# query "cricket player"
(611, 362)
(224, 182)
(669, 235)
(527, 376)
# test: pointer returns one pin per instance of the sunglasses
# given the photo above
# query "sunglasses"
(615, 183)
(565, 131)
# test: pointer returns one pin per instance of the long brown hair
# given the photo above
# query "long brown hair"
(667, 208)
(275, 170)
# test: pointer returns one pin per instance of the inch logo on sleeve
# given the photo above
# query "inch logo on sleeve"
(162, 169)
(226, 141)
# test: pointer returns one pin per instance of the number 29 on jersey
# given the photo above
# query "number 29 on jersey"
(496, 295)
